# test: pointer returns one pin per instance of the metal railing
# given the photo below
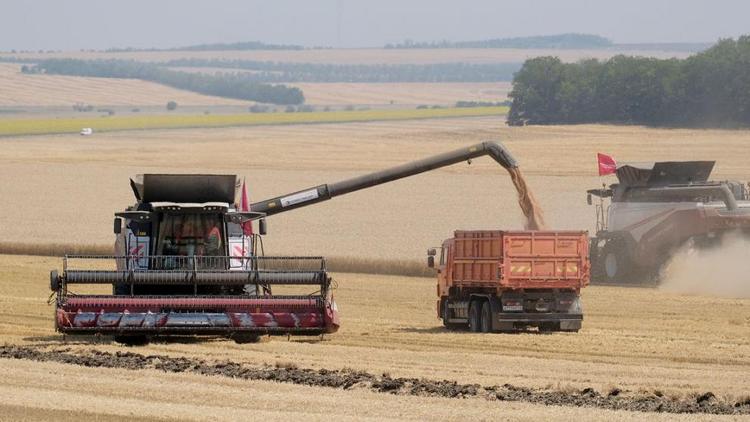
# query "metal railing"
(193, 270)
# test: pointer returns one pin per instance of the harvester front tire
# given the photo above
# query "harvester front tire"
(486, 322)
(616, 263)
(474, 316)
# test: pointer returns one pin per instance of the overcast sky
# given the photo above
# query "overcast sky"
(100, 24)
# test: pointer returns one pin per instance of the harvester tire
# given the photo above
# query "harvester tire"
(486, 322)
(54, 281)
(616, 263)
(475, 316)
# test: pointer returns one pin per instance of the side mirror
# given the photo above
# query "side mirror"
(262, 227)
(431, 261)
(117, 225)
(431, 252)
(588, 199)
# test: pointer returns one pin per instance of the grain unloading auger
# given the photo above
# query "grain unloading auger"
(185, 264)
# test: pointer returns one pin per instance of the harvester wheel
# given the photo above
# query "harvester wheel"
(616, 262)
(474, 316)
(131, 340)
(54, 281)
(486, 322)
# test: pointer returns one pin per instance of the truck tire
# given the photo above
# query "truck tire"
(475, 316)
(486, 322)
(616, 263)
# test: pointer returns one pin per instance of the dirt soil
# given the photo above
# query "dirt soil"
(615, 399)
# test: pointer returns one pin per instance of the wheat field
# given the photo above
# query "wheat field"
(18, 89)
(637, 340)
(412, 94)
(65, 188)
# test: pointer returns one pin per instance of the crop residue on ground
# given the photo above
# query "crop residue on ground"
(615, 399)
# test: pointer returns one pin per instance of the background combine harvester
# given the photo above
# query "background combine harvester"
(655, 209)
(507, 280)
(184, 265)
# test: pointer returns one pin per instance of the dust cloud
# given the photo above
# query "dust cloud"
(723, 270)
(529, 206)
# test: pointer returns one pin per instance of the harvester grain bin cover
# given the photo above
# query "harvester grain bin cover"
(183, 188)
(664, 173)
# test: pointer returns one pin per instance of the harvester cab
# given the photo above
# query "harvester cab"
(654, 209)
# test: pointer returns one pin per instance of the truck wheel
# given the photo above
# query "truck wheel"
(616, 263)
(474, 316)
(486, 323)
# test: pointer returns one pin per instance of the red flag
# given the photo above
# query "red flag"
(607, 164)
(247, 228)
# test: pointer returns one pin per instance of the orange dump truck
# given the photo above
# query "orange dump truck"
(493, 280)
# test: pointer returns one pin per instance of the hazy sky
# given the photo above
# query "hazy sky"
(75, 24)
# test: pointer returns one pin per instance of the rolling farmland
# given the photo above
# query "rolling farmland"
(32, 126)
(643, 342)
(19, 90)
(640, 349)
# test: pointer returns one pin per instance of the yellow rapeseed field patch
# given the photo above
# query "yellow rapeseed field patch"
(10, 127)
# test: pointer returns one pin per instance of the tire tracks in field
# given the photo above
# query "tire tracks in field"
(345, 379)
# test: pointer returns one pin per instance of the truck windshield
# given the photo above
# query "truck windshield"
(191, 235)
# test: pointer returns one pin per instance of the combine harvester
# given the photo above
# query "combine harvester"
(185, 263)
(657, 208)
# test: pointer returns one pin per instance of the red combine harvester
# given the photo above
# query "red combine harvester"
(508, 280)
(185, 263)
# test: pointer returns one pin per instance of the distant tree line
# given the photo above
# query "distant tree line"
(245, 45)
(560, 41)
(711, 88)
(238, 86)
(265, 71)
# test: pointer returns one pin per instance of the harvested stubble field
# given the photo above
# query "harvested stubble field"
(445, 94)
(83, 180)
(659, 348)
(40, 126)
(656, 348)
(18, 90)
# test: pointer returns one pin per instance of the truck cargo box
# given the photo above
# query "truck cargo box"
(520, 259)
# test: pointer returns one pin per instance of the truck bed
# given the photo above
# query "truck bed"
(520, 259)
